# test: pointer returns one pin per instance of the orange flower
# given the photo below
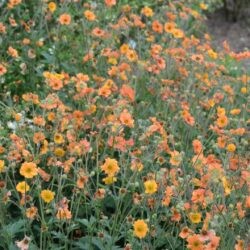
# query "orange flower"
(110, 167)
(231, 147)
(157, 26)
(45, 176)
(239, 245)
(124, 48)
(146, 11)
(185, 232)
(31, 212)
(3, 69)
(12, 52)
(28, 170)
(221, 141)
(47, 195)
(63, 213)
(132, 55)
(55, 84)
(140, 229)
(195, 217)
(150, 186)
(52, 7)
(22, 187)
(176, 215)
(197, 58)
(110, 3)
(197, 146)
(24, 243)
(235, 111)
(39, 121)
(178, 33)
(59, 152)
(194, 242)
(89, 15)
(38, 137)
(169, 27)
(1, 166)
(82, 180)
(109, 180)
(222, 121)
(2, 28)
(58, 138)
(176, 158)
(98, 32)
(64, 19)
(126, 119)
(127, 91)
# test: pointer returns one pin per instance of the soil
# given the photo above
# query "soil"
(237, 34)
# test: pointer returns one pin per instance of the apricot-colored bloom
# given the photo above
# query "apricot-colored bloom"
(13, 52)
(81, 180)
(110, 3)
(64, 19)
(109, 180)
(89, 15)
(22, 187)
(140, 228)
(185, 232)
(59, 152)
(3, 69)
(226, 185)
(136, 165)
(195, 217)
(222, 121)
(24, 243)
(39, 121)
(45, 176)
(58, 138)
(194, 242)
(239, 245)
(128, 92)
(28, 170)
(146, 11)
(157, 26)
(52, 7)
(110, 167)
(126, 119)
(2, 28)
(132, 55)
(197, 146)
(150, 186)
(100, 193)
(38, 137)
(231, 147)
(178, 33)
(176, 215)
(47, 195)
(235, 111)
(1, 166)
(168, 196)
(98, 32)
(31, 212)
(169, 27)
(198, 195)
(63, 214)
(175, 158)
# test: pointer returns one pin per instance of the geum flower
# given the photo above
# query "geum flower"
(140, 229)
(110, 167)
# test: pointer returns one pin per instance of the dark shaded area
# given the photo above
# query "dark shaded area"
(237, 34)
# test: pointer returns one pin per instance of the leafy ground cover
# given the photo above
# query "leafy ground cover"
(121, 128)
